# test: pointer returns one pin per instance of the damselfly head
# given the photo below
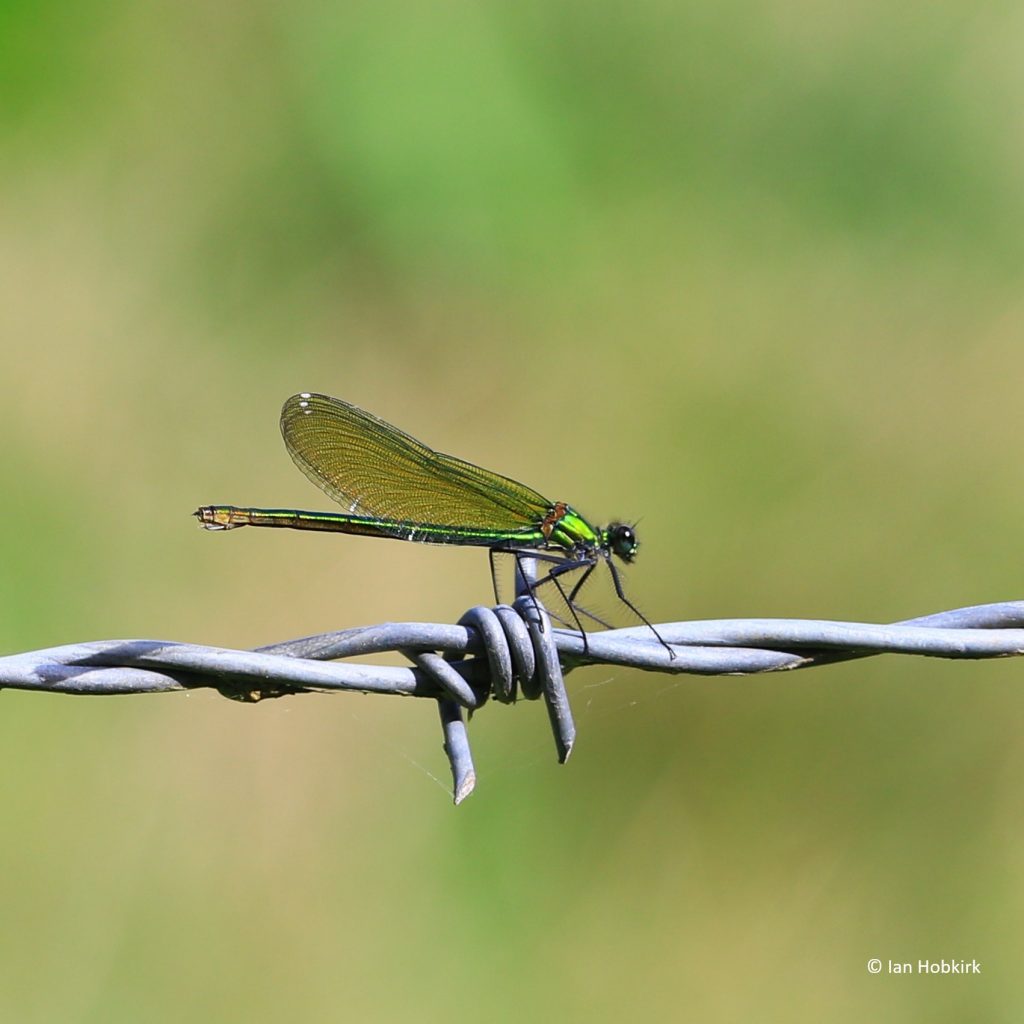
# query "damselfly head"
(620, 539)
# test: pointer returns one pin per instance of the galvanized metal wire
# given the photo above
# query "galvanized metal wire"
(504, 653)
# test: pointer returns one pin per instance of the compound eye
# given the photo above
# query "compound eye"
(624, 542)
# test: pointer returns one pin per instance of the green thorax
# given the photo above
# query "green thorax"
(569, 530)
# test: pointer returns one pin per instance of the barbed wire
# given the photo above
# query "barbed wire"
(502, 653)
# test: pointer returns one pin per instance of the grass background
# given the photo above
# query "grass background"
(750, 271)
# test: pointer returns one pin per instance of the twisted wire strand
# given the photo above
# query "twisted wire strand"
(502, 653)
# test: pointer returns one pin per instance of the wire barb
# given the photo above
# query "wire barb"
(502, 652)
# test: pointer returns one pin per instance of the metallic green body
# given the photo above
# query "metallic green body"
(570, 531)
(228, 517)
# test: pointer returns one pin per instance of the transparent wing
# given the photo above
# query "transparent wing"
(374, 469)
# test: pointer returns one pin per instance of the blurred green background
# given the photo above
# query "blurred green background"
(750, 271)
